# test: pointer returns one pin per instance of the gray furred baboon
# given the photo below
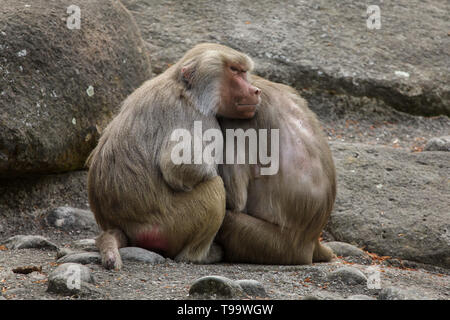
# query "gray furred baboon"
(138, 195)
(277, 219)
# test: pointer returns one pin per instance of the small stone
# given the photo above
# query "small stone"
(82, 258)
(64, 252)
(310, 298)
(393, 293)
(252, 288)
(402, 74)
(85, 245)
(140, 255)
(70, 279)
(438, 144)
(29, 241)
(360, 297)
(348, 275)
(72, 219)
(216, 286)
(90, 91)
(22, 53)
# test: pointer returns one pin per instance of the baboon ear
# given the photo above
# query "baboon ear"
(187, 72)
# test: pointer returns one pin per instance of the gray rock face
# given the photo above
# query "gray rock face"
(320, 46)
(29, 241)
(393, 202)
(61, 85)
(438, 144)
(72, 219)
(140, 255)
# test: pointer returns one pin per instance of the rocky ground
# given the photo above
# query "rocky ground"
(30, 273)
(393, 178)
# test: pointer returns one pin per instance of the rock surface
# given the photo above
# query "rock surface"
(60, 86)
(348, 275)
(252, 287)
(172, 280)
(349, 252)
(215, 287)
(317, 45)
(81, 258)
(29, 241)
(360, 297)
(79, 255)
(438, 144)
(393, 202)
(72, 219)
(393, 293)
(25, 202)
(140, 255)
(71, 279)
(85, 245)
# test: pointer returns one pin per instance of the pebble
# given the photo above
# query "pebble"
(29, 241)
(360, 297)
(348, 275)
(310, 298)
(71, 279)
(393, 293)
(85, 245)
(438, 144)
(215, 287)
(81, 258)
(140, 255)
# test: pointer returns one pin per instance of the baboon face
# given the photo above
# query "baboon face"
(239, 99)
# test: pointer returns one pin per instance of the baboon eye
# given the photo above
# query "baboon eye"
(234, 69)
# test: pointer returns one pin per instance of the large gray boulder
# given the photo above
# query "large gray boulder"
(393, 202)
(61, 85)
(321, 46)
